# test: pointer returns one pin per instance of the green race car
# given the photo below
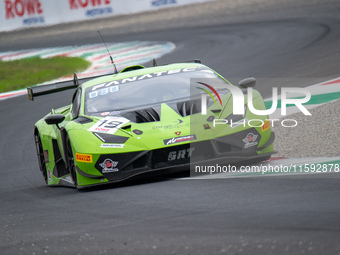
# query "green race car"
(140, 120)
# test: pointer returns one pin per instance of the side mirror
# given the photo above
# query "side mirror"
(247, 83)
(54, 119)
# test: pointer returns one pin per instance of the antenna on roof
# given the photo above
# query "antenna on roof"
(112, 62)
(75, 79)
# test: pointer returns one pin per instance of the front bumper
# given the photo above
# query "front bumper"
(238, 147)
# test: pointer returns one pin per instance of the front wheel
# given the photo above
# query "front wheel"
(71, 164)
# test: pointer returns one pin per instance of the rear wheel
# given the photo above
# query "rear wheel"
(41, 155)
(71, 164)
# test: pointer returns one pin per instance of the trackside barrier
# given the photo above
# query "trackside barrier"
(19, 14)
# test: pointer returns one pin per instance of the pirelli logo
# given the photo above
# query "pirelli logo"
(87, 158)
(265, 126)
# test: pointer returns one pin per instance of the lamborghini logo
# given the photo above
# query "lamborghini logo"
(178, 133)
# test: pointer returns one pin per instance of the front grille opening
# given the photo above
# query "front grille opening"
(59, 162)
(142, 161)
(225, 147)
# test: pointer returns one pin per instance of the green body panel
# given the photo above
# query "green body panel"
(85, 142)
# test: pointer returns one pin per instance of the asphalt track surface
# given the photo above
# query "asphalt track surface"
(168, 215)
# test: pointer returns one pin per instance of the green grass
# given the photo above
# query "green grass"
(27, 72)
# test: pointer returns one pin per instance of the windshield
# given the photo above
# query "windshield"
(146, 90)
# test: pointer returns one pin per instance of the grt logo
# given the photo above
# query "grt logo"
(238, 100)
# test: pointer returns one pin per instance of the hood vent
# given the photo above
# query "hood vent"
(107, 138)
(142, 116)
(189, 107)
(147, 115)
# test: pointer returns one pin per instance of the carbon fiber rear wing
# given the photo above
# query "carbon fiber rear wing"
(36, 91)
(52, 88)
(72, 84)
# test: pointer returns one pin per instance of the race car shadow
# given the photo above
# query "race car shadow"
(141, 179)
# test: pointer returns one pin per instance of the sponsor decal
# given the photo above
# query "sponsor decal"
(112, 145)
(115, 112)
(67, 179)
(20, 8)
(104, 113)
(138, 132)
(99, 12)
(103, 91)
(29, 11)
(109, 166)
(206, 126)
(180, 139)
(108, 125)
(47, 160)
(75, 4)
(180, 154)
(265, 126)
(210, 118)
(158, 3)
(178, 133)
(250, 140)
(87, 158)
(113, 84)
(34, 20)
(174, 124)
(49, 175)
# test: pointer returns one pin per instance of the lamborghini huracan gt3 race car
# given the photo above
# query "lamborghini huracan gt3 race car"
(160, 118)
